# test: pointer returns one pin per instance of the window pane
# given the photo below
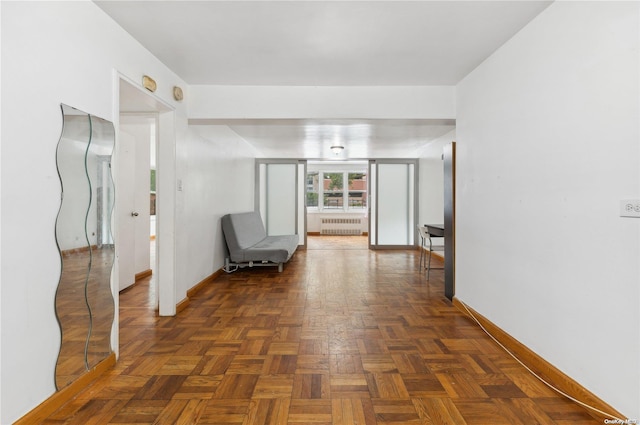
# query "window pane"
(357, 181)
(357, 200)
(152, 192)
(312, 181)
(333, 190)
(333, 200)
(312, 199)
(312, 189)
(357, 190)
(333, 182)
(395, 220)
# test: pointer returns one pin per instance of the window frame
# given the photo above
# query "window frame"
(320, 207)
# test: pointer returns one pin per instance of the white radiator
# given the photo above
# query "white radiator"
(340, 226)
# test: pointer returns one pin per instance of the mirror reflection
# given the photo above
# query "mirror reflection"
(84, 302)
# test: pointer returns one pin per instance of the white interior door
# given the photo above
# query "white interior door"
(144, 128)
(137, 133)
(393, 203)
(125, 222)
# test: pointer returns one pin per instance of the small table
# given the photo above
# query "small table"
(435, 230)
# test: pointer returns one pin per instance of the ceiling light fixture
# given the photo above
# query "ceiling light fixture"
(337, 149)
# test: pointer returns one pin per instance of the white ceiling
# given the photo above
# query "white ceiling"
(322, 43)
(361, 139)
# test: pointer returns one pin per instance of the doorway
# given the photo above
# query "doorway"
(157, 119)
(336, 194)
(138, 137)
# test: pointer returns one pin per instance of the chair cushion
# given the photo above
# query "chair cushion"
(277, 249)
(247, 240)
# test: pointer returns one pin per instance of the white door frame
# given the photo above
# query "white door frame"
(165, 202)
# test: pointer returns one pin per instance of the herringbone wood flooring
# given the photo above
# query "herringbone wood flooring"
(341, 337)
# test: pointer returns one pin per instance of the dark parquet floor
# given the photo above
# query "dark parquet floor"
(341, 337)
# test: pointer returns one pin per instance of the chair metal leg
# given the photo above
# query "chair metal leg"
(429, 263)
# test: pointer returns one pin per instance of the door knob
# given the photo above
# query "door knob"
(134, 214)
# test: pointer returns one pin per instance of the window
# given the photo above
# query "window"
(335, 194)
(152, 192)
(333, 190)
(312, 188)
(357, 190)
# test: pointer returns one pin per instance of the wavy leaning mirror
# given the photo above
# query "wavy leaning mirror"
(84, 302)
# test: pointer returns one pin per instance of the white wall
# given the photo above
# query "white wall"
(547, 145)
(431, 209)
(434, 102)
(216, 167)
(52, 52)
(314, 220)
